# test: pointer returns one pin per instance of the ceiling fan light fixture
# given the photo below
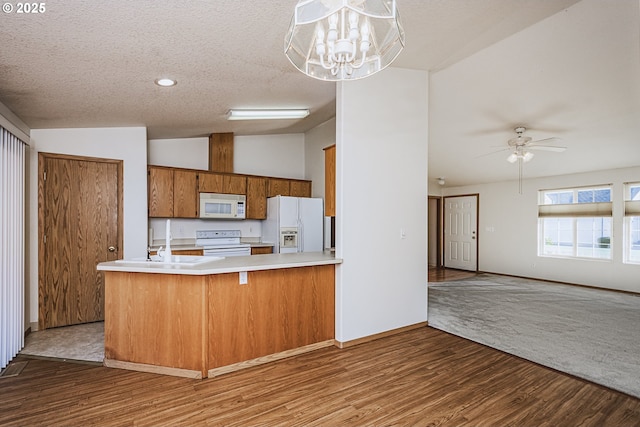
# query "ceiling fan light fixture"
(267, 114)
(513, 157)
(528, 155)
(341, 40)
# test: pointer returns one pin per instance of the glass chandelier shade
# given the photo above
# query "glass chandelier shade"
(520, 154)
(337, 40)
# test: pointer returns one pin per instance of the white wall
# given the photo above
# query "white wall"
(189, 153)
(315, 141)
(127, 144)
(381, 175)
(270, 155)
(508, 231)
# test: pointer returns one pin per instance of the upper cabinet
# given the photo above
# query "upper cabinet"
(172, 193)
(185, 196)
(222, 183)
(278, 187)
(330, 181)
(299, 188)
(160, 191)
(256, 197)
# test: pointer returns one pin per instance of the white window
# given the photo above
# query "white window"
(575, 222)
(632, 223)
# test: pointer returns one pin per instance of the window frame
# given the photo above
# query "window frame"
(574, 212)
(631, 216)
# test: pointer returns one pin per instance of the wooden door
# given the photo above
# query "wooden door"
(460, 232)
(80, 210)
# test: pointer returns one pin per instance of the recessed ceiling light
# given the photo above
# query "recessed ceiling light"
(267, 114)
(165, 82)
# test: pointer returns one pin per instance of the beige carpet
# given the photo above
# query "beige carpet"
(592, 334)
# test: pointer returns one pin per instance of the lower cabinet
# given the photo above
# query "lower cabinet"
(262, 250)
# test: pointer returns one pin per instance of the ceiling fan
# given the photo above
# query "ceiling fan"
(521, 147)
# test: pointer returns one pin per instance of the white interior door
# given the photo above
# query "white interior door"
(461, 232)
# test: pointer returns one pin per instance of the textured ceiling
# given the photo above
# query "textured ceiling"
(86, 63)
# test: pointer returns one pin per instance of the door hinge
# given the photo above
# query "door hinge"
(45, 175)
(44, 237)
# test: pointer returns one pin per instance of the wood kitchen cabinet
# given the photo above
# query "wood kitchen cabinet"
(172, 193)
(256, 197)
(330, 181)
(160, 190)
(298, 188)
(222, 183)
(262, 250)
(185, 196)
(278, 187)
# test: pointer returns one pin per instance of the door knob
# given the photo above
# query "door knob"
(112, 248)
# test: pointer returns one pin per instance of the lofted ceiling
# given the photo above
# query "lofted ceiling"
(560, 67)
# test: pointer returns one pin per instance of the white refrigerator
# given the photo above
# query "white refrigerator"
(294, 224)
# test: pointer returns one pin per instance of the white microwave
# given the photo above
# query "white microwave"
(223, 206)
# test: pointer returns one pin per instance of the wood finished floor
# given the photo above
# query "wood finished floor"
(423, 377)
(441, 274)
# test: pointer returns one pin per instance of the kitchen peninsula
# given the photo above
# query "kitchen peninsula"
(204, 319)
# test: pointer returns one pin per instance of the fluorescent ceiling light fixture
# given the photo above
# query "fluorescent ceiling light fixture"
(336, 40)
(166, 82)
(267, 114)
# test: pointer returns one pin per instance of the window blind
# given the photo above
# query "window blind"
(12, 249)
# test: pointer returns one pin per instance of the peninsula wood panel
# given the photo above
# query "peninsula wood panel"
(277, 310)
(156, 319)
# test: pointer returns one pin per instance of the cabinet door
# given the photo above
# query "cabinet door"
(330, 181)
(234, 184)
(160, 190)
(210, 182)
(185, 195)
(278, 187)
(262, 250)
(256, 197)
(300, 188)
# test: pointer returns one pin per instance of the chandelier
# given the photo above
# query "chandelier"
(337, 40)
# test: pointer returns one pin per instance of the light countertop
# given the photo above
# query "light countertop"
(227, 265)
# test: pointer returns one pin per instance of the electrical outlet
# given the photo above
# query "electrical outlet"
(243, 277)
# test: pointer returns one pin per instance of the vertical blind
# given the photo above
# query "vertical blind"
(12, 277)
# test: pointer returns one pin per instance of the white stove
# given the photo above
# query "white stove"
(223, 243)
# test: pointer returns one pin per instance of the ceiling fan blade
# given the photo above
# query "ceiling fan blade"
(546, 140)
(546, 148)
(493, 152)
